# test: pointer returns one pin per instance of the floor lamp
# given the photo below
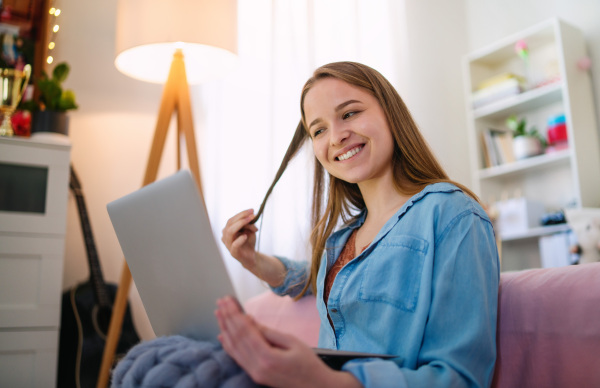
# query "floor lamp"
(184, 42)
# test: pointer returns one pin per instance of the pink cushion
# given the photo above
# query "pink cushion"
(549, 328)
(283, 313)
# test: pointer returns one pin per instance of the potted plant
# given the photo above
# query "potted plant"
(527, 142)
(49, 109)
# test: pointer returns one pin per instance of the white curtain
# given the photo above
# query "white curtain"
(246, 121)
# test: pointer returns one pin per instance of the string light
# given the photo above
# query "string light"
(55, 12)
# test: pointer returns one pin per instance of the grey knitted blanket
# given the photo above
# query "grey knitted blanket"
(179, 362)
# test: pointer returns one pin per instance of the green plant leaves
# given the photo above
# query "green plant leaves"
(60, 72)
(51, 94)
(67, 100)
(519, 128)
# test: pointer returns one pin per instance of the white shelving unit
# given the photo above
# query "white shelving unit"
(34, 182)
(555, 85)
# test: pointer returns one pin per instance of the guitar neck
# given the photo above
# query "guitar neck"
(96, 278)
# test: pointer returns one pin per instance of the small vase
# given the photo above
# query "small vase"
(50, 121)
(526, 146)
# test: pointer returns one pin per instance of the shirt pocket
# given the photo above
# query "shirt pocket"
(392, 273)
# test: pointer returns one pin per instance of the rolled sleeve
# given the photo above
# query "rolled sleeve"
(376, 373)
(295, 278)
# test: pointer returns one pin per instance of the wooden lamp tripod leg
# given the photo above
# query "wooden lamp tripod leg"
(175, 97)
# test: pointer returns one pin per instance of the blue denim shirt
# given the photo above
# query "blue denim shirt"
(425, 290)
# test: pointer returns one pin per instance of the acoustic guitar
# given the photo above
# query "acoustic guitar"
(85, 316)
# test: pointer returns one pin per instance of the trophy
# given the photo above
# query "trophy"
(12, 85)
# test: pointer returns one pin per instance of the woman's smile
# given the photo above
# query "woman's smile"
(349, 154)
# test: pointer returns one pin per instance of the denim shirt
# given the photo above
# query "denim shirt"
(424, 290)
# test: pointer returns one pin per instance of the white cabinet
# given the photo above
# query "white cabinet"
(556, 82)
(33, 207)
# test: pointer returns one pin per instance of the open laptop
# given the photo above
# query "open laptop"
(166, 237)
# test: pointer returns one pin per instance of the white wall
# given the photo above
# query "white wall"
(436, 44)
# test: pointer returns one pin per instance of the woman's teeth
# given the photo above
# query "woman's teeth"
(350, 153)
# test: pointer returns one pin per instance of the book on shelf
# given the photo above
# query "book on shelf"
(497, 147)
(497, 88)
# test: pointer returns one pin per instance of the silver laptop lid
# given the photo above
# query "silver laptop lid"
(165, 235)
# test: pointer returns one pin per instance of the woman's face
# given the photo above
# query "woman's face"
(350, 133)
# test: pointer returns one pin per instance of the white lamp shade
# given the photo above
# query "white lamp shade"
(149, 31)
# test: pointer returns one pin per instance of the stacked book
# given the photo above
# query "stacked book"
(497, 88)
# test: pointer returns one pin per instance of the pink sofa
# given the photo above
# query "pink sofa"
(548, 326)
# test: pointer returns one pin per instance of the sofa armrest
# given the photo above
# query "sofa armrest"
(549, 328)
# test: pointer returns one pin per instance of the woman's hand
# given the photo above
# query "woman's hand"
(239, 236)
(270, 357)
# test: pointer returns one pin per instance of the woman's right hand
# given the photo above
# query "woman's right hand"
(239, 236)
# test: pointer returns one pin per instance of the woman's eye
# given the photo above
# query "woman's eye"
(317, 132)
(348, 115)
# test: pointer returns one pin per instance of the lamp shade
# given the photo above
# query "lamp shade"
(149, 31)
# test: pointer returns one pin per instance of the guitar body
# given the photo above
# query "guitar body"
(84, 326)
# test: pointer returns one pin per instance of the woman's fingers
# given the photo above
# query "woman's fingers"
(239, 336)
(237, 225)
(277, 338)
(235, 222)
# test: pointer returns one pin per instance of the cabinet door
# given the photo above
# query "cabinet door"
(34, 183)
(28, 359)
(30, 281)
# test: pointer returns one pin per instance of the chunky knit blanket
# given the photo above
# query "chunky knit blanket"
(179, 362)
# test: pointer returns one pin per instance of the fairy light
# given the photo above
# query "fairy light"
(54, 12)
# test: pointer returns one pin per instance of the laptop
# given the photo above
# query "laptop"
(166, 238)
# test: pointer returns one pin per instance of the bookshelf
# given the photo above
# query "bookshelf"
(554, 85)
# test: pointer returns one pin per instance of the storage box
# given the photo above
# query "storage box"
(518, 215)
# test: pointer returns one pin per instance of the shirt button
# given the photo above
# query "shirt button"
(334, 310)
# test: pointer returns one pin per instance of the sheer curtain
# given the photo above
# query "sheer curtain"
(246, 122)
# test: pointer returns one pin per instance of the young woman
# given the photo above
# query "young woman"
(413, 272)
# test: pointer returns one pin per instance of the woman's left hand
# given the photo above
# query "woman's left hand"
(271, 357)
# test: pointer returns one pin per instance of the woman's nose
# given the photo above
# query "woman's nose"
(339, 133)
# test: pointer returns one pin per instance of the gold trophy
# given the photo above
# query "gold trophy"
(12, 85)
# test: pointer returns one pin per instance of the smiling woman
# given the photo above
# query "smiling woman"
(415, 250)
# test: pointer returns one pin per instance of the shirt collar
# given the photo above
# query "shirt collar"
(441, 187)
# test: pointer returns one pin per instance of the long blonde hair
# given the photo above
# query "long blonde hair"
(414, 164)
